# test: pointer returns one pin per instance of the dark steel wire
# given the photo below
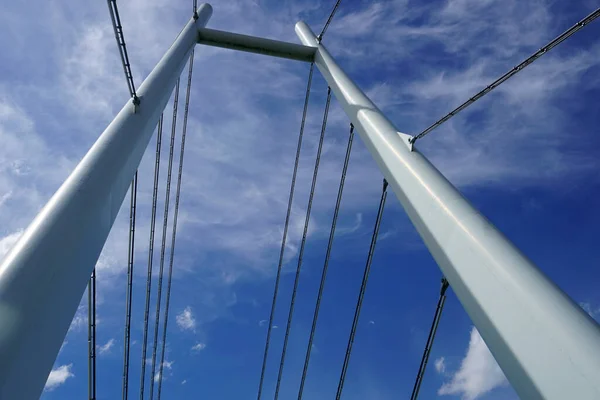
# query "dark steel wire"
(92, 336)
(285, 230)
(434, 325)
(331, 15)
(129, 294)
(175, 214)
(118, 28)
(555, 42)
(151, 253)
(164, 238)
(302, 244)
(94, 330)
(361, 294)
(326, 264)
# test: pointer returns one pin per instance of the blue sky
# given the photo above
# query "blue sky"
(526, 156)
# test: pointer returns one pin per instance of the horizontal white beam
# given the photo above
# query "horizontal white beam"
(44, 276)
(547, 346)
(253, 44)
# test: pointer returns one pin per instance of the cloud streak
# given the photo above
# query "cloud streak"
(105, 348)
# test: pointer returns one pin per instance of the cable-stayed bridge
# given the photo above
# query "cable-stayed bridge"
(521, 314)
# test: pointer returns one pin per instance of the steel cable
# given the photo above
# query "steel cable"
(331, 15)
(285, 230)
(151, 254)
(303, 243)
(92, 336)
(363, 288)
(118, 28)
(175, 214)
(129, 293)
(429, 344)
(326, 264)
(164, 238)
(555, 42)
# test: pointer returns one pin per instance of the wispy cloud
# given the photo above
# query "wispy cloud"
(105, 348)
(185, 319)
(353, 228)
(80, 320)
(478, 373)
(440, 365)
(198, 347)
(58, 376)
(7, 242)
(167, 366)
(523, 112)
(63, 345)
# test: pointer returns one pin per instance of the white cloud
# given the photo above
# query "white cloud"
(478, 374)
(167, 365)
(185, 319)
(62, 346)
(58, 376)
(5, 197)
(523, 111)
(351, 229)
(80, 319)
(183, 382)
(384, 235)
(262, 322)
(7, 242)
(106, 347)
(440, 365)
(199, 346)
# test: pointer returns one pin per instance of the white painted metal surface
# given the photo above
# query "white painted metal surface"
(44, 276)
(546, 345)
(258, 45)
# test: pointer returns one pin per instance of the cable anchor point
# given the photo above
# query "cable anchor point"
(136, 103)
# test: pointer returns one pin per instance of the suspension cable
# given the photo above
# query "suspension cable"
(303, 243)
(361, 294)
(151, 253)
(92, 336)
(164, 238)
(175, 214)
(326, 265)
(434, 325)
(285, 230)
(129, 293)
(335, 7)
(118, 28)
(555, 42)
